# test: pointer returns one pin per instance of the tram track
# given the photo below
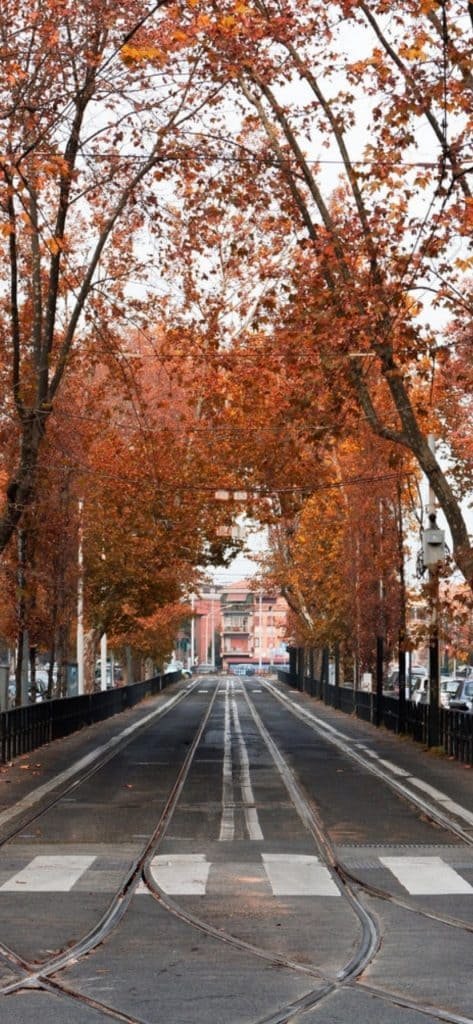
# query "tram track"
(44, 974)
(122, 897)
(86, 769)
(419, 803)
(331, 735)
(371, 939)
(350, 879)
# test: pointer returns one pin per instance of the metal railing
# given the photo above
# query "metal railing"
(451, 731)
(28, 727)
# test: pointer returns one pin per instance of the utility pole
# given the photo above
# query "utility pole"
(212, 629)
(403, 616)
(80, 604)
(381, 626)
(206, 623)
(191, 666)
(23, 644)
(103, 662)
(433, 555)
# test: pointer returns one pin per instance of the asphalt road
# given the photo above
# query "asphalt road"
(241, 855)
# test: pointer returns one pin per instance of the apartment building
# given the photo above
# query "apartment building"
(235, 625)
(253, 626)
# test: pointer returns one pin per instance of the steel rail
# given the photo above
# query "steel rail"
(115, 746)
(332, 736)
(369, 930)
(347, 977)
(347, 877)
(122, 897)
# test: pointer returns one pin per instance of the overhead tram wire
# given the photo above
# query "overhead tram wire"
(253, 492)
(248, 156)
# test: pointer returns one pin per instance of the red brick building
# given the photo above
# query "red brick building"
(253, 626)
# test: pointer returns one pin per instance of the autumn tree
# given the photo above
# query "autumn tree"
(357, 125)
(88, 137)
(146, 478)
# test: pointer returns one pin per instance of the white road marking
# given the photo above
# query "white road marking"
(298, 875)
(442, 799)
(457, 809)
(426, 788)
(48, 874)
(251, 815)
(394, 768)
(426, 876)
(37, 794)
(227, 824)
(181, 874)
(287, 875)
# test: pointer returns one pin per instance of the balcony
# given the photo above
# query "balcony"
(236, 652)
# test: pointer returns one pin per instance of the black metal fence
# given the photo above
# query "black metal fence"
(452, 731)
(25, 728)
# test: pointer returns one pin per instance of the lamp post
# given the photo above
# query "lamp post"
(192, 659)
(212, 630)
(433, 555)
(103, 662)
(381, 626)
(80, 603)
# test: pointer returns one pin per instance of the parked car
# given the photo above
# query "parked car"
(205, 669)
(448, 689)
(38, 692)
(417, 674)
(173, 666)
(464, 672)
(108, 676)
(392, 683)
(420, 690)
(463, 699)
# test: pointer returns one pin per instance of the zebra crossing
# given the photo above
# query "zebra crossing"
(276, 874)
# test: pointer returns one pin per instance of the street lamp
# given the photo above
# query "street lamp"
(80, 602)
(433, 552)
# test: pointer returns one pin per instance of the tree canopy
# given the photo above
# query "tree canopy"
(250, 225)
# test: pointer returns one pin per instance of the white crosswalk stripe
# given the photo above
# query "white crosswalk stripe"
(279, 874)
(427, 876)
(181, 874)
(48, 874)
(298, 875)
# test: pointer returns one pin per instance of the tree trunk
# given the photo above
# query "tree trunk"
(21, 487)
(91, 640)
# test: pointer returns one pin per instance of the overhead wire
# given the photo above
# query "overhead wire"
(252, 491)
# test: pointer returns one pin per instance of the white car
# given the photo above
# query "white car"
(463, 698)
(448, 689)
(420, 691)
